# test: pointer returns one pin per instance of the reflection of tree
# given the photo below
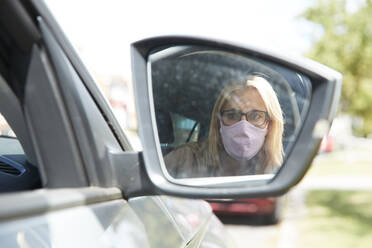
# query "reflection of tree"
(346, 45)
(119, 94)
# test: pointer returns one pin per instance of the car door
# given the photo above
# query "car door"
(69, 134)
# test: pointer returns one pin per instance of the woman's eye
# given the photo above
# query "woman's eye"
(232, 116)
(255, 116)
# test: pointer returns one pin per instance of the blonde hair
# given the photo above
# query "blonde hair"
(272, 152)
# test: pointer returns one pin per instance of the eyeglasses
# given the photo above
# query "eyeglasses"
(257, 118)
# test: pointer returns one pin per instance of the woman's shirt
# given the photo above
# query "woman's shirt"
(191, 160)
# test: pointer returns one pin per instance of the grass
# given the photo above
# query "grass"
(337, 219)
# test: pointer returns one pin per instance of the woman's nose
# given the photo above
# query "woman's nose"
(243, 117)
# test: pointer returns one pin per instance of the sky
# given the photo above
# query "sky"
(102, 31)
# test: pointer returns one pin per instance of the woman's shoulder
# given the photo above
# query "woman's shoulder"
(192, 146)
(183, 159)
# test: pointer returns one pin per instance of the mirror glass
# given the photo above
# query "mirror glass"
(222, 114)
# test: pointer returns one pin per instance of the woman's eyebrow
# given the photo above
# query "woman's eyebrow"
(234, 109)
(230, 109)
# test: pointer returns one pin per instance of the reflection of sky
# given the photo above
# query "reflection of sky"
(103, 30)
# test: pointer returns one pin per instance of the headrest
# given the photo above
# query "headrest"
(165, 126)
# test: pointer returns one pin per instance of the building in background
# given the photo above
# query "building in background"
(119, 94)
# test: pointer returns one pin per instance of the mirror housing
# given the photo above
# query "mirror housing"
(326, 88)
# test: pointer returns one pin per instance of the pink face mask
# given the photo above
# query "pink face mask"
(242, 141)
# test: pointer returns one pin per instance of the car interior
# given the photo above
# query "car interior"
(18, 170)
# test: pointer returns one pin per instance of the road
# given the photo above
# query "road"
(254, 236)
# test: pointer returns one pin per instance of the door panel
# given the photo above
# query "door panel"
(97, 217)
(109, 224)
(179, 222)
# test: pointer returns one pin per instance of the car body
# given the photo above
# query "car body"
(327, 144)
(269, 209)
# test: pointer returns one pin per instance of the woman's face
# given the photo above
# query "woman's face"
(245, 104)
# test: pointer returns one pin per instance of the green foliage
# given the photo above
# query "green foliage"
(345, 44)
(336, 219)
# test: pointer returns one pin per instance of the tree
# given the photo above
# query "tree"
(345, 44)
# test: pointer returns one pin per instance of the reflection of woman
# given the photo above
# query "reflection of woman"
(245, 135)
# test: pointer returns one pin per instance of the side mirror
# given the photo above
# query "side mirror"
(219, 120)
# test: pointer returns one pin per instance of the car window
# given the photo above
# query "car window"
(9, 143)
(184, 130)
(108, 65)
(5, 129)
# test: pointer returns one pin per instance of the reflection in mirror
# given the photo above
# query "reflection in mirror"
(224, 114)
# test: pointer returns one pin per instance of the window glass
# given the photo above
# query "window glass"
(186, 130)
(5, 129)
(9, 143)
(106, 57)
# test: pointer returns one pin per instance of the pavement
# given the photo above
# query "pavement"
(254, 236)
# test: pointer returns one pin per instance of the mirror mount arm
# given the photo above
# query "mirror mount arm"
(129, 174)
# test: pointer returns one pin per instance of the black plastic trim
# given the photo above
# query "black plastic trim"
(11, 167)
(131, 175)
(17, 174)
(18, 24)
(90, 129)
(48, 124)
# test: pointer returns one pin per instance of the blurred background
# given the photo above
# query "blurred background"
(332, 206)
